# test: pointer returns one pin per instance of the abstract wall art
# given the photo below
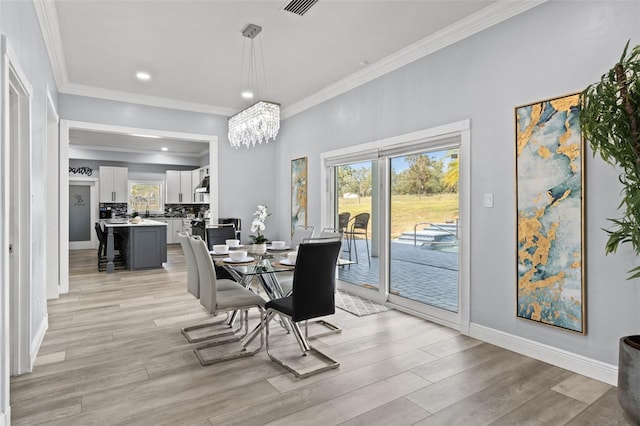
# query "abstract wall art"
(550, 213)
(298, 193)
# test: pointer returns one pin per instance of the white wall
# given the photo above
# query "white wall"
(18, 22)
(554, 49)
(246, 177)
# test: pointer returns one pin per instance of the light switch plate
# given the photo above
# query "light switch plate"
(488, 199)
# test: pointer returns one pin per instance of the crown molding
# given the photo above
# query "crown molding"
(485, 18)
(133, 98)
(48, 20)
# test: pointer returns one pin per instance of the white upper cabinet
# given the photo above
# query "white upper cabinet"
(114, 184)
(179, 187)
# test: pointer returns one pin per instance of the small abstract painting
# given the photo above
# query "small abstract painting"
(549, 198)
(298, 193)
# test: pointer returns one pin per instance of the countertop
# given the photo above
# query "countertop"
(121, 223)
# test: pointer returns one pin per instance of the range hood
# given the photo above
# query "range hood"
(204, 185)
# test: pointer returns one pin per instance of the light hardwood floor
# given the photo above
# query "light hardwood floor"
(114, 355)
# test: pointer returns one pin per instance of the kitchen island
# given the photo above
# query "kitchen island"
(143, 244)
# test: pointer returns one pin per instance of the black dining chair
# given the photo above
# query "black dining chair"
(359, 225)
(219, 234)
(314, 285)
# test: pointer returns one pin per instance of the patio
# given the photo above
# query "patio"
(418, 273)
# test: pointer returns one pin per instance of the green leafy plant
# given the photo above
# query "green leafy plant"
(610, 121)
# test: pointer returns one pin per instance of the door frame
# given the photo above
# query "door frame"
(373, 150)
(92, 243)
(16, 212)
(52, 251)
(67, 125)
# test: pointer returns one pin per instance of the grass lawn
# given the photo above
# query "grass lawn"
(407, 210)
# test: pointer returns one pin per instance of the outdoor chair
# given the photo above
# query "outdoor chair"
(313, 296)
(359, 225)
(343, 221)
(214, 301)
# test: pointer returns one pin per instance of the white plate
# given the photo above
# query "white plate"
(278, 249)
(215, 253)
(245, 260)
(287, 262)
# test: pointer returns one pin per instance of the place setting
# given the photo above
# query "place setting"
(238, 257)
(290, 260)
(278, 246)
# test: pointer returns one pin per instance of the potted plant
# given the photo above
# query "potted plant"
(259, 241)
(610, 121)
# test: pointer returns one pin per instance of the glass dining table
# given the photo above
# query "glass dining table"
(265, 268)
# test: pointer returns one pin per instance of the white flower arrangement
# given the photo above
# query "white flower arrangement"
(257, 226)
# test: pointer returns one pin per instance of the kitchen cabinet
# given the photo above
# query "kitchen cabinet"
(173, 227)
(179, 187)
(114, 184)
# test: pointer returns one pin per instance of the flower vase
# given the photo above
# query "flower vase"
(258, 248)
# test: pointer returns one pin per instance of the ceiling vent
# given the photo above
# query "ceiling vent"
(299, 7)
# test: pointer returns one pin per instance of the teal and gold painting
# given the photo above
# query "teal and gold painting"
(549, 185)
(298, 193)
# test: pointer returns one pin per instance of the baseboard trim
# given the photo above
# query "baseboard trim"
(37, 340)
(4, 416)
(559, 357)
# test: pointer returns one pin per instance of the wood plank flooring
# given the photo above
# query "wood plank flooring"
(114, 355)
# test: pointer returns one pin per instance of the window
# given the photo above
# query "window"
(145, 196)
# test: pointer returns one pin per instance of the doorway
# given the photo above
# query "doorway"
(410, 193)
(16, 262)
(83, 206)
(82, 214)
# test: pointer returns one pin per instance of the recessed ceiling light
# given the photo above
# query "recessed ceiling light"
(143, 76)
(247, 94)
(164, 148)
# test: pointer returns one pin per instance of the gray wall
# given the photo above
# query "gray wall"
(246, 177)
(18, 22)
(554, 49)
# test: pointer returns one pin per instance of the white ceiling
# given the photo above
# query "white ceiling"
(193, 49)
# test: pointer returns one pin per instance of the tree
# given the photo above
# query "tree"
(422, 177)
(452, 175)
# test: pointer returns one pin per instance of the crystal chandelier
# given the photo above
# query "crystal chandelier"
(256, 124)
(261, 121)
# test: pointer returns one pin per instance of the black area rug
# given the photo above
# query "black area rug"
(357, 305)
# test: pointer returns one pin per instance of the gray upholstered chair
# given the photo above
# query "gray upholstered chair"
(299, 234)
(194, 287)
(215, 301)
(313, 296)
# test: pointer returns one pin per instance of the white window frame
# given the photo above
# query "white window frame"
(146, 182)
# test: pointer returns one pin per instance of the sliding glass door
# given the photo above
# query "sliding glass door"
(423, 228)
(354, 183)
(399, 206)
